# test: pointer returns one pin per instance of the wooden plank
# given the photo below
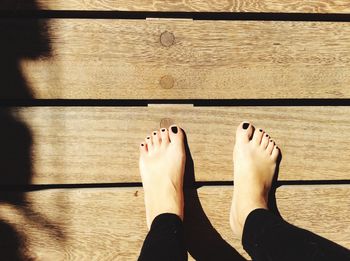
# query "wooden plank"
(125, 59)
(109, 224)
(286, 6)
(101, 144)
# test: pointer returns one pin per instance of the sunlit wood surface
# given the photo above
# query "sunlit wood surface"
(109, 224)
(285, 6)
(69, 181)
(139, 59)
(101, 144)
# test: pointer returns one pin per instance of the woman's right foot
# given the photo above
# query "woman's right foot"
(162, 166)
(255, 157)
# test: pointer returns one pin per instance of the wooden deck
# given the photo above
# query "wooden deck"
(70, 130)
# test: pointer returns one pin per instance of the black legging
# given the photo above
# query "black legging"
(265, 237)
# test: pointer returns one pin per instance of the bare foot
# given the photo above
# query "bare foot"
(255, 155)
(162, 165)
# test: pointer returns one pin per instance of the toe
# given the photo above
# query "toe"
(175, 134)
(244, 132)
(265, 140)
(164, 135)
(149, 143)
(156, 139)
(270, 146)
(275, 153)
(257, 136)
(143, 148)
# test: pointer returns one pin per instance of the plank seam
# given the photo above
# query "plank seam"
(197, 184)
(190, 102)
(255, 16)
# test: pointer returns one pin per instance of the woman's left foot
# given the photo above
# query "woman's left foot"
(255, 158)
(162, 166)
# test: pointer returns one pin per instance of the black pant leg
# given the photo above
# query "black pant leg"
(165, 240)
(268, 237)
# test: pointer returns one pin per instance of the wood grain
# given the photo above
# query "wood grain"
(286, 6)
(109, 224)
(125, 59)
(101, 144)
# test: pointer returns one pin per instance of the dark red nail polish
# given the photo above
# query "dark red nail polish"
(260, 130)
(142, 145)
(163, 130)
(148, 138)
(154, 133)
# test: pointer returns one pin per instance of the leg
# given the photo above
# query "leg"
(165, 240)
(264, 235)
(268, 237)
(162, 163)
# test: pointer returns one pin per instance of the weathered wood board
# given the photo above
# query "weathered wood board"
(286, 6)
(109, 224)
(101, 144)
(174, 59)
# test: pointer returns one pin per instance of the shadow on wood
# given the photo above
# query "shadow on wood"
(272, 203)
(15, 137)
(10, 239)
(202, 239)
(21, 38)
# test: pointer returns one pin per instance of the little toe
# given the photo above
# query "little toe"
(257, 136)
(143, 148)
(164, 135)
(156, 139)
(244, 132)
(270, 146)
(175, 134)
(275, 153)
(265, 140)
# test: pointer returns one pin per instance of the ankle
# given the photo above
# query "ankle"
(249, 209)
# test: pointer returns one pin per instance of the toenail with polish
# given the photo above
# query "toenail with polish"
(245, 125)
(174, 129)
(142, 145)
(163, 130)
(266, 135)
(154, 133)
(148, 138)
(260, 130)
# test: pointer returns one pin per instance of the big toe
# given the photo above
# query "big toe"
(176, 134)
(244, 132)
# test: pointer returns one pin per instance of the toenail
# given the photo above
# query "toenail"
(174, 129)
(266, 135)
(142, 144)
(154, 133)
(148, 137)
(163, 130)
(245, 125)
(260, 130)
